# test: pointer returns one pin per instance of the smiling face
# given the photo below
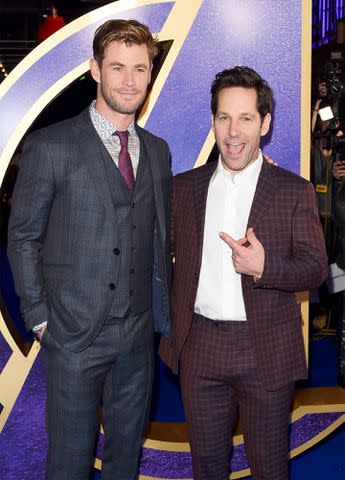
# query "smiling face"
(122, 78)
(237, 126)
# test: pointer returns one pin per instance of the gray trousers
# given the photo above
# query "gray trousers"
(117, 369)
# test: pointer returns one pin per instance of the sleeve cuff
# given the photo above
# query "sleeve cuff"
(38, 327)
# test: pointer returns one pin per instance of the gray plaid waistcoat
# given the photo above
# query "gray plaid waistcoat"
(135, 220)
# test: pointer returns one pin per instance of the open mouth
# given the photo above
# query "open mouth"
(234, 149)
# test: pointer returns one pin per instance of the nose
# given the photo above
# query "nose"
(233, 127)
(128, 78)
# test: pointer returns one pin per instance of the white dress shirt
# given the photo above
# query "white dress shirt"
(229, 200)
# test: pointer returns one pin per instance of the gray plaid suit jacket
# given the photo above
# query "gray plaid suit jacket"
(285, 219)
(63, 230)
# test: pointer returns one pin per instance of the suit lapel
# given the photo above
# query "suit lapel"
(95, 157)
(263, 198)
(152, 156)
(200, 190)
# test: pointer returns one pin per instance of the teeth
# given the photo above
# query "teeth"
(235, 148)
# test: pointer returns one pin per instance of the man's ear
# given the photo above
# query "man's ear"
(95, 70)
(266, 124)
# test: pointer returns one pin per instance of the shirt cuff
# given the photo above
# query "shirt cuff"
(38, 327)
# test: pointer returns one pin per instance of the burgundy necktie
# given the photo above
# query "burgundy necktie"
(125, 163)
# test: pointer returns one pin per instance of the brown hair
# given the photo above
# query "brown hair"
(129, 32)
(247, 78)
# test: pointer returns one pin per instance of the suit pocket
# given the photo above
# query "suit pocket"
(285, 312)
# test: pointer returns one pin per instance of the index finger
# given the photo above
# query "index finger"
(230, 241)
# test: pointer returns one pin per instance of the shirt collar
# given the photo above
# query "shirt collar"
(249, 175)
(104, 128)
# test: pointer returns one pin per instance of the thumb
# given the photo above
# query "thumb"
(251, 235)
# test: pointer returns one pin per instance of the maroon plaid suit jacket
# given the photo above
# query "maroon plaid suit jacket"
(285, 219)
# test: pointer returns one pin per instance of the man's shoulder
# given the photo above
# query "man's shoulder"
(281, 175)
(286, 178)
(59, 131)
(149, 137)
(195, 174)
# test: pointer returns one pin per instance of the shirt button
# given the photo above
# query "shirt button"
(116, 251)
(111, 286)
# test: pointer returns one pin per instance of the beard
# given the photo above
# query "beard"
(122, 107)
(233, 165)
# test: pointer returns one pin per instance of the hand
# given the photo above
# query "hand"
(338, 169)
(317, 104)
(248, 254)
(314, 115)
(269, 160)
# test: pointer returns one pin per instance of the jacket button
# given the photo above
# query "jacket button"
(131, 270)
(131, 292)
(196, 275)
(133, 227)
(133, 205)
(116, 251)
(132, 249)
(111, 286)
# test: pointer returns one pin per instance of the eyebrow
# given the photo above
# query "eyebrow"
(119, 64)
(142, 65)
(248, 113)
(242, 114)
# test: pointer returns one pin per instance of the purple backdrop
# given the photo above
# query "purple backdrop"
(262, 34)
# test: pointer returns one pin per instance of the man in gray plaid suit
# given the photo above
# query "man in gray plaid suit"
(87, 234)
(246, 236)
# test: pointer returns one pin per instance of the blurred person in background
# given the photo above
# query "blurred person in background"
(322, 91)
(52, 23)
(322, 179)
(339, 220)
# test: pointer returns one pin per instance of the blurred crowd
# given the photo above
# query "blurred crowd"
(328, 177)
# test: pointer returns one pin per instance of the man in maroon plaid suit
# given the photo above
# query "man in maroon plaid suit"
(246, 237)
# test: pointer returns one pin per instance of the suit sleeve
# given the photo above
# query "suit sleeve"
(31, 204)
(307, 265)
